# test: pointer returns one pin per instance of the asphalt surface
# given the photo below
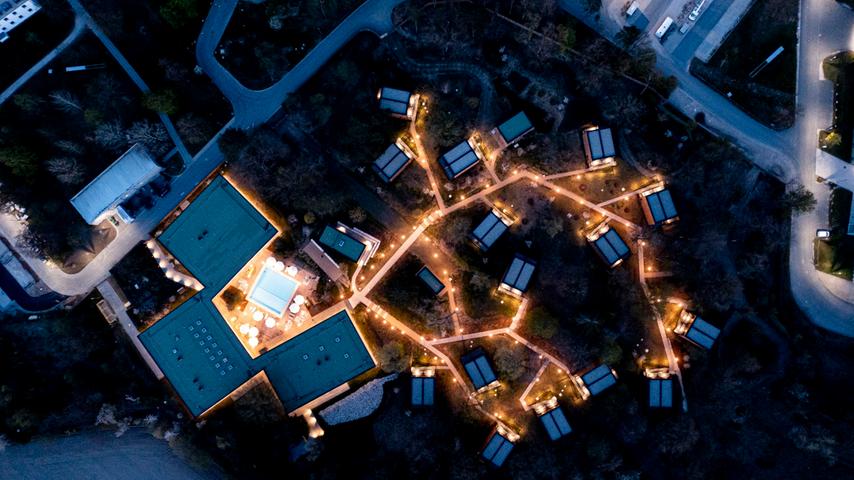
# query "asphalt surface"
(31, 304)
(98, 455)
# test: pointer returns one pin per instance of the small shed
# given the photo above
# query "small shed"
(609, 245)
(479, 370)
(490, 228)
(658, 207)
(518, 276)
(460, 159)
(598, 147)
(431, 280)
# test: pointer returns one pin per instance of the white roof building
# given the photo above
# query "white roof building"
(14, 13)
(100, 198)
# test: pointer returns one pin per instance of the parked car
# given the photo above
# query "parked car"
(695, 14)
(822, 233)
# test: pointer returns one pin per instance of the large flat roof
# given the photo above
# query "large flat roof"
(217, 234)
(116, 183)
(316, 361)
(198, 353)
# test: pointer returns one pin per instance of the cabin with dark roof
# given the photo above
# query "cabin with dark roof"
(599, 147)
(658, 207)
(492, 227)
(609, 245)
(661, 392)
(479, 370)
(498, 446)
(512, 130)
(431, 280)
(596, 380)
(696, 330)
(460, 159)
(423, 386)
(399, 102)
(342, 243)
(393, 161)
(518, 276)
(553, 418)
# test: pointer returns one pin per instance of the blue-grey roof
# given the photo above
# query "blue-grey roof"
(217, 234)
(391, 163)
(342, 243)
(514, 128)
(488, 231)
(117, 183)
(599, 379)
(198, 353)
(661, 206)
(422, 390)
(702, 333)
(458, 160)
(612, 247)
(478, 369)
(431, 280)
(556, 424)
(660, 393)
(601, 143)
(519, 274)
(497, 449)
(394, 100)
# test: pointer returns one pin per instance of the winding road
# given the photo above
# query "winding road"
(826, 28)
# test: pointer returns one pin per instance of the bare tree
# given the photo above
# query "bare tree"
(110, 135)
(67, 170)
(152, 135)
(65, 101)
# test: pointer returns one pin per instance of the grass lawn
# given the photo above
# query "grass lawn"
(769, 96)
(164, 55)
(85, 120)
(264, 40)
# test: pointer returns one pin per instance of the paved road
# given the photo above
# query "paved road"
(826, 26)
(254, 107)
(99, 455)
(251, 108)
(79, 27)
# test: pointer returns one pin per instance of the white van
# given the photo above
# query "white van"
(665, 26)
(696, 12)
(632, 8)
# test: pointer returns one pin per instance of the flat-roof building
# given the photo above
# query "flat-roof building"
(393, 161)
(399, 102)
(423, 386)
(490, 228)
(696, 330)
(609, 245)
(479, 370)
(341, 242)
(596, 380)
(498, 445)
(658, 207)
(118, 182)
(460, 159)
(196, 348)
(13, 13)
(518, 276)
(598, 147)
(553, 418)
(431, 280)
(514, 129)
